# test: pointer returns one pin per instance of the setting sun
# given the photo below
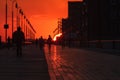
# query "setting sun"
(58, 35)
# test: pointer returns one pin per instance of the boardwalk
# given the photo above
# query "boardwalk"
(32, 66)
(58, 64)
(82, 64)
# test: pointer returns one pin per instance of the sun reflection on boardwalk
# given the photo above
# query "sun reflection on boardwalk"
(54, 55)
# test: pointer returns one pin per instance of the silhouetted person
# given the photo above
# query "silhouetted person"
(49, 42)
(36, 42)
(41, 42)
(18, 39)
(8, 42)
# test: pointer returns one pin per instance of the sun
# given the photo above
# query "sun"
(58, 35)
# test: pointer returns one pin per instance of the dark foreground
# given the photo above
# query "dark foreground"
(31, 66)
(59, 64)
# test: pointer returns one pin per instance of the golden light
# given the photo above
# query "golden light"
(58, 35)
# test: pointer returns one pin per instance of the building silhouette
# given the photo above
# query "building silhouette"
(72, 25)
(103, 22)
(95, 22)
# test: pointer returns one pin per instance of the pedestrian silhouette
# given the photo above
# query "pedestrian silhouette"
(41, 42)
(49, 42)
(36, 42)
(18, 39)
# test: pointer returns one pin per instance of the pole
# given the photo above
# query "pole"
(16, 15)
(24, 24)
(26, 32)
(6, 12)
(6, 26)
(12, 18)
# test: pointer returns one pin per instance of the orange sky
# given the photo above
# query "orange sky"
(43, 15)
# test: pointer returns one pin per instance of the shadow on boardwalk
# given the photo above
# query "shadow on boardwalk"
(31, 66)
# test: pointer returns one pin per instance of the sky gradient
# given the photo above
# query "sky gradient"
(43, 14)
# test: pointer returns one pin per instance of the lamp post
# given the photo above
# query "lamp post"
(21, 18)
(17, 15)
(24, 21)
(13, 1)
(6, 26)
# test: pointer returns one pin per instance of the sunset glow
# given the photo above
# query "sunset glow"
(58, 35)
(43, 15)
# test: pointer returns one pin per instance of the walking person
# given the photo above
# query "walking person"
(18, 39)
(41, 43)
(36, 42)
(49, 42)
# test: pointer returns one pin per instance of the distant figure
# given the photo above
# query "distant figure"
(49, 42)
(18, 39)
(41, 42)
(36, 42)
(8, 42)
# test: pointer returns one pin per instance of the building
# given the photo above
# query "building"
(75, 15)
(71, 26)
(103, 21)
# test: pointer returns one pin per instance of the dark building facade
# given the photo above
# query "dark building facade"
(75, 14)
(103, 20)
(95, 22)
(65, 25)
(73, 24)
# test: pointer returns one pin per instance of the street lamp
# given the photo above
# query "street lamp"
(13, 1)
(24, 22)
(17, 20)
(6, 26)
(21, 18)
